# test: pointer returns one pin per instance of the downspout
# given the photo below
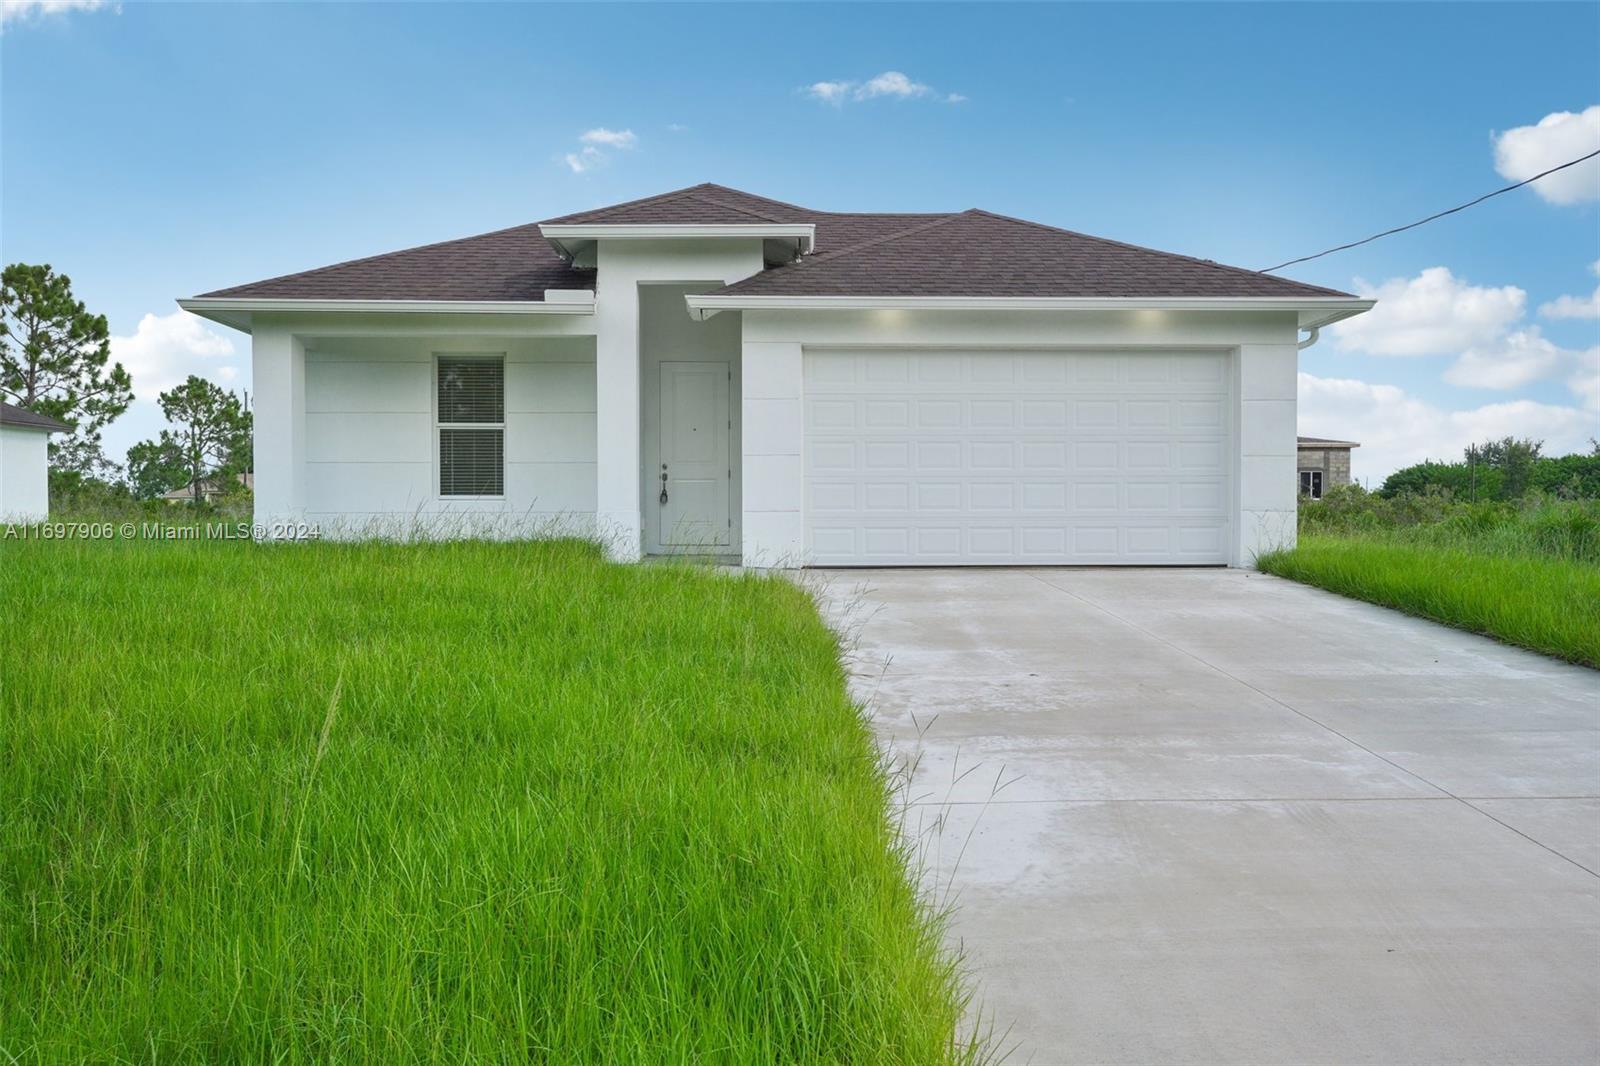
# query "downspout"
(1309, 341)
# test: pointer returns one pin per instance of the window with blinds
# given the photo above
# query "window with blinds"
(471, 423)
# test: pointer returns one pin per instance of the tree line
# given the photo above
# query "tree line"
(1507, 469)
(55, 360)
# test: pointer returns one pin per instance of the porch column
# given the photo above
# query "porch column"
(278, 378)
(772, 522)
(616, 368)
(1268, 483)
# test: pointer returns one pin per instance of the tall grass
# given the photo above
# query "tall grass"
(442, 802)
(1525, 573)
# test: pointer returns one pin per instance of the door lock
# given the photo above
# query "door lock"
(663, 484)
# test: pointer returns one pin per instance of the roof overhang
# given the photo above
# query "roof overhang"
(1312, 311)
(1318, 445)
(236, 311)
(573, 240)
(34, 427)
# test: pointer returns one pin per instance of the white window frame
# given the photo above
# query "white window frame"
(438, 440)
(1311, 484)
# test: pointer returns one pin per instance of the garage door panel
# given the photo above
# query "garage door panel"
(939, 496)
(1017, 457)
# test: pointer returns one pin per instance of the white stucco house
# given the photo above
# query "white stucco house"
(25, 463)
(712, 371)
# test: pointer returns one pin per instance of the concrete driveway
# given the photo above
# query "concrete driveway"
(1214, 816)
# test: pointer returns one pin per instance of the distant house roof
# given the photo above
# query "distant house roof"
(1324, 442)
(21, 417)
(211, 485)
(968, 253)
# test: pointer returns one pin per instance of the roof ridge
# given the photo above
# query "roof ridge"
(1227, 268)
(659, 197)
(827, 257)
(377, 255)
(701, 191)
(757, 196)
(736, 207)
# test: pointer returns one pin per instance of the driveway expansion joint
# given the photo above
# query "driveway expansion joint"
(1310, 718)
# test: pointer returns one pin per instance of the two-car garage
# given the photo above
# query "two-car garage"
(992, 457)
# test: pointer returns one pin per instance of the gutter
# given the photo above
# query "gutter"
(1314, 312)
(235, 311)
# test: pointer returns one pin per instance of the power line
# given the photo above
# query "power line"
(1430, 218)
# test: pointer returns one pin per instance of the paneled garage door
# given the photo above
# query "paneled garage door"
(1025, 457)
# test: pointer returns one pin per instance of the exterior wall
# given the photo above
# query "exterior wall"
(1338, 467)
(1333, 462)
(623, 267)
(667, 332)
(24, 474)
(1264, 346)
(346, 436)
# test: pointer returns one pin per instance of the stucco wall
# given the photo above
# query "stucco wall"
(668, 333)
(1264, 358)
(624, 266)
(24, 474)
(371, 454)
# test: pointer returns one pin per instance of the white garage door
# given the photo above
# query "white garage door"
(1027, 457)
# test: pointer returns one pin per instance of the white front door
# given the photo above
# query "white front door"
(694, 482)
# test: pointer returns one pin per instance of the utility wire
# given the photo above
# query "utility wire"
(1430, 218)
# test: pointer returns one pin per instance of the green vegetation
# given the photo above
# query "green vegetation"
(1526, 573)
(55, 358)
(456, 802)
(1507, 469)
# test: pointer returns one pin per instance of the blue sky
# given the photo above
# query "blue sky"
(155, 150)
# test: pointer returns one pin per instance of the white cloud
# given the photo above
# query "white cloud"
(164, 350)
(32, 10)
(1521, 153)
(1517, 359)
(609, 138)
(1433, 313)
(586, 158)
(677, 127)
(891, 84)
(596, 147)
(1575, 306)
(1396, 429)
(1585, 380)
(831, 92)
(1437, 313)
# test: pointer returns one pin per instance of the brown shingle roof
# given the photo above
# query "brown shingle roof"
(1324, 442)
(12, 415)
(978, 253)
(508, 264)
(973, 253)
(716, 204)
(704, 204)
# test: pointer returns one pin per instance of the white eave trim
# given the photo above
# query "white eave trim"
(1313, 311)
(564, 234)
(236, 310)
(581, 306)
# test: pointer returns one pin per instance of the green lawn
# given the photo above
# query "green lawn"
(452, 802)
(1498, 584)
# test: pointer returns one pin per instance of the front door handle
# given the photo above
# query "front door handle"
(663, 484)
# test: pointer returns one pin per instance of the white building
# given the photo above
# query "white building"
(716, 372)
(25, 463)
